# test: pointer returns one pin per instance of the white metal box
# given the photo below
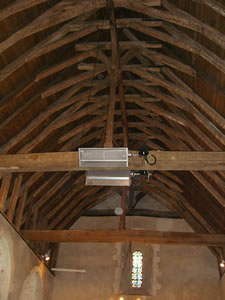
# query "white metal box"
(103, 157)
(108, 178)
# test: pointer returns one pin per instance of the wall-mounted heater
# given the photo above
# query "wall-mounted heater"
(103, 157)
(108, 178)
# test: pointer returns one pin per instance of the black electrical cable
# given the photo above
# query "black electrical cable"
(146, 159)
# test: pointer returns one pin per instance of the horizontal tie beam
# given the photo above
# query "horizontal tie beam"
(69, 161)
(124, 236)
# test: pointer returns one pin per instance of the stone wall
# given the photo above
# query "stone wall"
(171, 272)
(22, 274)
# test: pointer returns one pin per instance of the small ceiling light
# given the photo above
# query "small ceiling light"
(118, 211)
(46, 257)
(222, 264)
(121, 298)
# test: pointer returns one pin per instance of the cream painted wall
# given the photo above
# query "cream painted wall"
(222, 287)
(23, 261)
(176, 272)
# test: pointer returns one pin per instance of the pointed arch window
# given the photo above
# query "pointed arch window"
(137, 269)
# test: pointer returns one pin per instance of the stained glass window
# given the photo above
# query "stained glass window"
(137, 264)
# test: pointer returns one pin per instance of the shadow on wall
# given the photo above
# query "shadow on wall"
(22, 274)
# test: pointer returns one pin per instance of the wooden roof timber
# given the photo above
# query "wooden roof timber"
(94, 200)
(188, 138)
(59, 220)
(181, 18)
(218, 7)
(138, 236)
(196, 146)
(209, 142)
(116, 80)
(44, 48)
(219, 198)
(75, 10)
(4, 190)
(14, 197)
(179, 41)
(180, 204)
(218, 119)
(18, 6)
(69, 161)
(124, 45)
(104, 24)
(58, 105)
(132, 212)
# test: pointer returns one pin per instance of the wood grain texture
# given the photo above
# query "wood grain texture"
(123, 236)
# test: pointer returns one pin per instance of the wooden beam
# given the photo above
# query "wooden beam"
(123, 45)
(110, 115)
(190, 95)
(215, 5)
(69, 161)
(185, 42)
(132, 212)
(181, 18)
(20, 211)
(14, 197)
(4, 190)
(18, 6)
(120, 23)
(122, 224)
(123, 236)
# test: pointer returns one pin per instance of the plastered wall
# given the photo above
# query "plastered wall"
(27, 278)
(172, 272)
(222, 287)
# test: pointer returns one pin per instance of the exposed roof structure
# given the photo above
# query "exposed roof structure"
(95, 73)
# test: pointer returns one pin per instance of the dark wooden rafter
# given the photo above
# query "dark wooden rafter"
(210, 144)
(190, 45)
(4, 190)
(64, 101)
(17, 6)
(20, 211)
(14, 197)
(181, 18)
(161, 111)
(213, 4)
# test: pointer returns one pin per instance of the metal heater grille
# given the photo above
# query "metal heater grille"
(103, 157)
(108, 178)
